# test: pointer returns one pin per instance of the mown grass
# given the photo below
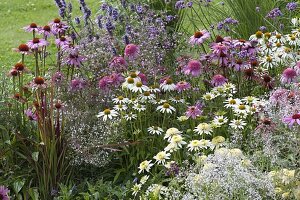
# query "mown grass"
(15, 14)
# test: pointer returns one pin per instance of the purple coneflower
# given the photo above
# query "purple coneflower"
(182, 86)
(131, 51)
(218, 80)
(36, 43)
(38, 82)
(193, 68)
(57, 78)
(291, 120)
(199, 37)
(32, 28)
(193, 112)
(288, 76)
(118, 63)
(23, 49)
(31, 115)
(77, 84)
(4, 193)
(62, 41)
(45, 31)
(74, 59)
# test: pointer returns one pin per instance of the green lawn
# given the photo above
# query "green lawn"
(16, 14)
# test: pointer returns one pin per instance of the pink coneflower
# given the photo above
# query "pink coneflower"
(193, 68)
(116, 79)
(74, 59)
(288, 76)
(199, 37)
(131, 51)
(13, 72)
(4, 193)
(36, 43)
(193, 112)
(182, 86)
(32, 28)
(143, 78)
(31, 115)
(249, 73)
(291, 120)
(113, 80)
(118, 63)
(239, 65)
(62, 41)
(38, 82)
(23, 49)
(45, 31)
(104, 83)
(77, 84)
(218, 80)
(58, 27)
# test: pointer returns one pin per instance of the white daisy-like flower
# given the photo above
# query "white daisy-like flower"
(231, 102)
(168, 85)
(139, 87)
(177, 100)
(178, 140)
(120, 100)
(157, 101)
(155, 130)
(130, 117)
(277, 38)
(206, 144)
(146, 96)
(237, 124)
(144, 179)
(208, 96)
(171, 132)
(293, 40)
(241, 115)
(295, 21)
(171, 147)
(136, 188)
(145, 166)
(269, 62)
(258, 36)
(107, 114)
(139, 107)
(129, 83)
(161, 157)
(182, 118)
(154, 89)
(120, 107)
(250, 100)
(166, 108)
(203, 128)
(241, 108)
(218, 141)
(194, 145)
(220, 120)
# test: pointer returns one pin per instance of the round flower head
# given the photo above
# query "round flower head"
(167, 85)
(118, 63)
(45, 31)
(77, 84)
(74, 59)
(36, 43)
(62, 41)
(193, 112)
(288, 76)
(291, 120)
(39, 82)
(13, 72)
(193, 68)
(32, 28)
(131, 51)
(145, 166)
(161, 157)
(182, 86)
(23, 49)
(107, 114)
(58, 27)
(171, 132)
(218, 80)
(199, 37)
(4, 193)
(57, 78)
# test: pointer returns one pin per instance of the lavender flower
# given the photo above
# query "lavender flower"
(179, 4)
(292, 6)
(273, 14)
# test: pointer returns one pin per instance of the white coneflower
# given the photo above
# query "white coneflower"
(139, 87)
(194, 145)
(208, 96)
(230, 102)
(144, 179)
(161, 157)
(206, 144)
(293, 40)
(182, 118)
(155, 130)
(237, 124)
(154, 89)
(107, 114)
(135, 189)
(250, 100)
(178, 140)
(203, 128)
(129, 83)
(258, 36)
(130, 117)
(120, 100)
(120, 107)
(277, 38)
(146, 96)
(171, 132)
(241, 108)
(157, 101)
(166, 108)
(145, 166)
(220, 120)
(139, 107)
(168, 85)
(269, 62)
(171, 147)
(218, 141)
(177, 100)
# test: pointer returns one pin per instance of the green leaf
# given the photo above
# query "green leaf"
(34, 194)
(18, 185)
